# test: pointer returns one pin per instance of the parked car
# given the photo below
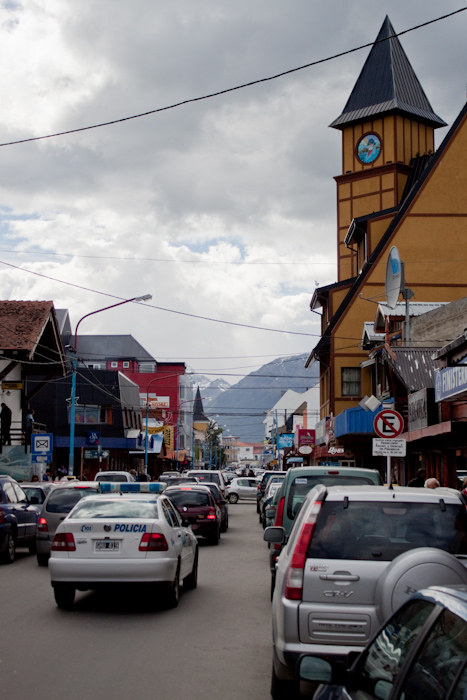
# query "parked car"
(55, 508)
(37, 491)
(420, 652)
(267, 500)
(113, 476)
(176, 480)
(243, 487)
(18, 518)
(212, 475)
(296, 485)
(221, 502)
(196, 504)
(119, 539)
(271, 508)
(263, 483)
(353, 556)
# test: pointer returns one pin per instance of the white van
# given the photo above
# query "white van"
(113, 476)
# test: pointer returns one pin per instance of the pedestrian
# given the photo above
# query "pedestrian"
(5, 424)
(419, 480)
(48, 475)
(62, 471)
(432, 483)
(35, 477)
(29, 426)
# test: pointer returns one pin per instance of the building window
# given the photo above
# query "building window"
(126, 365)
(147, 367)
(87, 414)
(114, 365)
(351, 381)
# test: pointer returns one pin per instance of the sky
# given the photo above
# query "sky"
(222, 208)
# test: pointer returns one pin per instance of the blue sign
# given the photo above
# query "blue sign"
(450, 382)
(93, 437)
(42, 443)
(285, 440)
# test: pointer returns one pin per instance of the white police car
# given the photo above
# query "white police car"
(130, 533)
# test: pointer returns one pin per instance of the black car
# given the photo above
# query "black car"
(18, 518)
(420, 652)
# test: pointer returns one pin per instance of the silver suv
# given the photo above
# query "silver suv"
(355, 553)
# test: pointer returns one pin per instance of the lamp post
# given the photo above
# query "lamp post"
(71, 458)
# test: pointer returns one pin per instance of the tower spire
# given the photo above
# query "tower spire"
(387, 84)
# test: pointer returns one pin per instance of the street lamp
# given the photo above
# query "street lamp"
(71, 458)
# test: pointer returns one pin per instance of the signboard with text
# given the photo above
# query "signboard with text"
(382, 447)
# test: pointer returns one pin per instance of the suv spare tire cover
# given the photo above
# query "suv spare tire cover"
(413, 570)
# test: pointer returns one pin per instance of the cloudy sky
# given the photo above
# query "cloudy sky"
(223, 208)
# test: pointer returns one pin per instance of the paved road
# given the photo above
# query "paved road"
(215, 644)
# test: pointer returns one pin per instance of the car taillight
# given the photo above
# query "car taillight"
(42, 525)
(2, 517)
(294, 582)
(211, 515)
(64, 542)
(153, 542)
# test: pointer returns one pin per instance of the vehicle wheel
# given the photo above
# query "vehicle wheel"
(224, 526)
(42, 559)
(214, 540)
(64, 596)
(32, 548)
(173, 594)
(260, 516)
(233, 498)
(263, 522)
(273, 584)
(191, 581)
(257, 506)
(8, 556)
(283, 690)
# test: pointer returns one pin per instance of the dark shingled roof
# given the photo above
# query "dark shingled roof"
(198, 410)
(413, 366)
(386, 84)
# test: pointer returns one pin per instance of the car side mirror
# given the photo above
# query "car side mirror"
(315, 669)
(275, 535)
(270, 512)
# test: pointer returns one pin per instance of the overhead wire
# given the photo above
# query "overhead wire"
(232, 89)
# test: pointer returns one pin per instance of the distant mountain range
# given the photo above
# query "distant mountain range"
(241, 408)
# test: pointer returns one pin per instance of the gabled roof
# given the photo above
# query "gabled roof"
(381, 245)
(386, 84)
(23, 325)
(321, 294)
(414, 366)
(416, 308)
(111, 347)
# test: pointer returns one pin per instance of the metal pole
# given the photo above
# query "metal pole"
(146, 434)
(71, 457)
(178, 430)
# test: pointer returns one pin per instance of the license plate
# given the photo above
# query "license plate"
(112, 545)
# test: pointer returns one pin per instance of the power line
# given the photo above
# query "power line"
(232, 89)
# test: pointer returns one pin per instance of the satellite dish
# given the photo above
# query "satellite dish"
(394, 280)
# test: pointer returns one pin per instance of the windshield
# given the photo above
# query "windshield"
(112, 477)
(369, 531)
(207, 476)
(190, 499)
(63, 500)
(300, 487)
(123, 508)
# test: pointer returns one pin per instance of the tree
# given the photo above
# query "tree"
(213, 444)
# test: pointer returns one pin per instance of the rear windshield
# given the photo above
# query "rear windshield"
(190, 499)
(63, 500)
(300, 487)
(382, 531)
(34, 493)
(111, 477)
(174, 481)
(123, 508)
(209, 476)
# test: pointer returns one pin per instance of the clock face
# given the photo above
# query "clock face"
(368, 148)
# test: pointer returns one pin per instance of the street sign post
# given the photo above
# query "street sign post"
(388, 424)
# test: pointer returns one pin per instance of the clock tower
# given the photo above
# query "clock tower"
(387, 138)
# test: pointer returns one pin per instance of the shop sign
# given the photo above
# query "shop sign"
(12, 386)
(450, 382)
(304, 436)
(285, 440)
(422, 409)
(155, 401)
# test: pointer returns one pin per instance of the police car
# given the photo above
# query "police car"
(130, 533)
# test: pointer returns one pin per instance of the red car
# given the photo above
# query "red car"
(197, 506)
